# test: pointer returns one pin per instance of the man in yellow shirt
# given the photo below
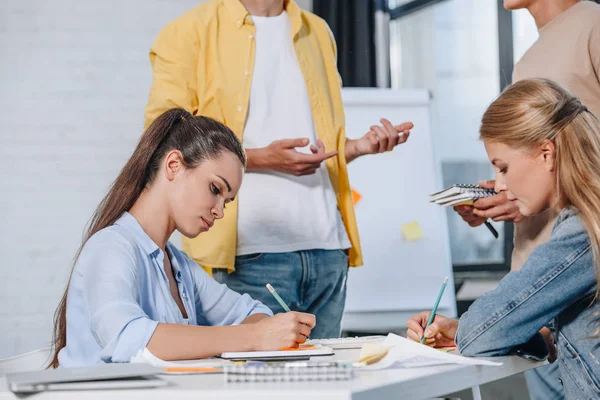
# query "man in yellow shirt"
(267, 69)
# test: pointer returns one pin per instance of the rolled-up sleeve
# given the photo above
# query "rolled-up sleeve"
(108, 275)
(216, 304)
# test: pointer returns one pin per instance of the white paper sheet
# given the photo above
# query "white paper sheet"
(405, 353)
(146, 357)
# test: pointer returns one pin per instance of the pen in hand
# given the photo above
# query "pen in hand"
(279, 300)
(492, 229)
(435, 307)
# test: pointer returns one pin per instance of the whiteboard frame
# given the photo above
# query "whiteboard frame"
(383, 319)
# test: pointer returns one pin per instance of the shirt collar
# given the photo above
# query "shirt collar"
(242, 17)
(132, 225)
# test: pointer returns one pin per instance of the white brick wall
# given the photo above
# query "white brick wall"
(74, 79)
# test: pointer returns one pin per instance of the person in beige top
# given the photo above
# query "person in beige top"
(568, 52)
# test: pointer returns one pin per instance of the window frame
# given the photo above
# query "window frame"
(506, 65)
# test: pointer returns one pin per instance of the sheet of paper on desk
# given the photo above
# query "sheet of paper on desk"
(209, 365)
(405, 353)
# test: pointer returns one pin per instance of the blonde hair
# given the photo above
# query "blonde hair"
(536, 110)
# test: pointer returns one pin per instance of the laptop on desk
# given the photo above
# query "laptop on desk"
(97, 377)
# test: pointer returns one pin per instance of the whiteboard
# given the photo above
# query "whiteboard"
(399, 277)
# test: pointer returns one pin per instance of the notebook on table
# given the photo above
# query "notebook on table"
(104, 376)
(304, 351)
(347, 342)
(289, 372)
(460, 194)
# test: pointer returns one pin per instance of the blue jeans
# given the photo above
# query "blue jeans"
(311, 281)
(543, 383)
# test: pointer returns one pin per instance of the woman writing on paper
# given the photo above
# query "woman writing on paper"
(545, 148)
(130, 288)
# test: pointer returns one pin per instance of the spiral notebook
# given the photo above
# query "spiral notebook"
(460, 194)
(289, 372)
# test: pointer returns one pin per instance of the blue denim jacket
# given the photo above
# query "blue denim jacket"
(556, 287)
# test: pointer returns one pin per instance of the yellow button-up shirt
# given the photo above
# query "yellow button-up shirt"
(203, 62)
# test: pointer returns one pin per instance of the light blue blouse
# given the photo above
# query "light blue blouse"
(119, 293)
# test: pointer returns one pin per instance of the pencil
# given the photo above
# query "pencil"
(435, 306)
(492, 229)
(279, 299)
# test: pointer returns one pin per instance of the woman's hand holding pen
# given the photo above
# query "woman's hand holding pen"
(282, 330)
(497, 207)
(441, 332)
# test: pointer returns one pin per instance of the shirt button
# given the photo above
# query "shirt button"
(246, 73)
(240, 108)
(239, 22)
(250, 36)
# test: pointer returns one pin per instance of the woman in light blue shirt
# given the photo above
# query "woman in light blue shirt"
(545, 148)
(130, 288)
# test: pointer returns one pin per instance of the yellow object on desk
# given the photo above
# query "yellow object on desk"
(372, 353)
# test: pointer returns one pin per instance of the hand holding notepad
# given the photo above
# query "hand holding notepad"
(458, 195)
(498, 207)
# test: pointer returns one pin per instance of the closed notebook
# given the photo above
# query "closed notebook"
(460, 194)
(302, 350)
(289, 372)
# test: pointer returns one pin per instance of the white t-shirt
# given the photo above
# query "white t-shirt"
(279, 212)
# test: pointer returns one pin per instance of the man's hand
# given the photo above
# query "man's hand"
(281, 156)
(497, 207)
(379, 139)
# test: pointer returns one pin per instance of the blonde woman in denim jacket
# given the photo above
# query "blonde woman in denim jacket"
(545, 148)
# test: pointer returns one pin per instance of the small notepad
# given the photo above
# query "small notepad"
(460, 194)
(302, 350)
(289, 372)
(348, 342)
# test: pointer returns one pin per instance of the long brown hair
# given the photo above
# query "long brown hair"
(197, 138)
(535, 110)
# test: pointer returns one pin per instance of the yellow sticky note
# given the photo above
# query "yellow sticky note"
(412, 231)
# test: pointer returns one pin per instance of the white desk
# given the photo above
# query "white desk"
(413, 383)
